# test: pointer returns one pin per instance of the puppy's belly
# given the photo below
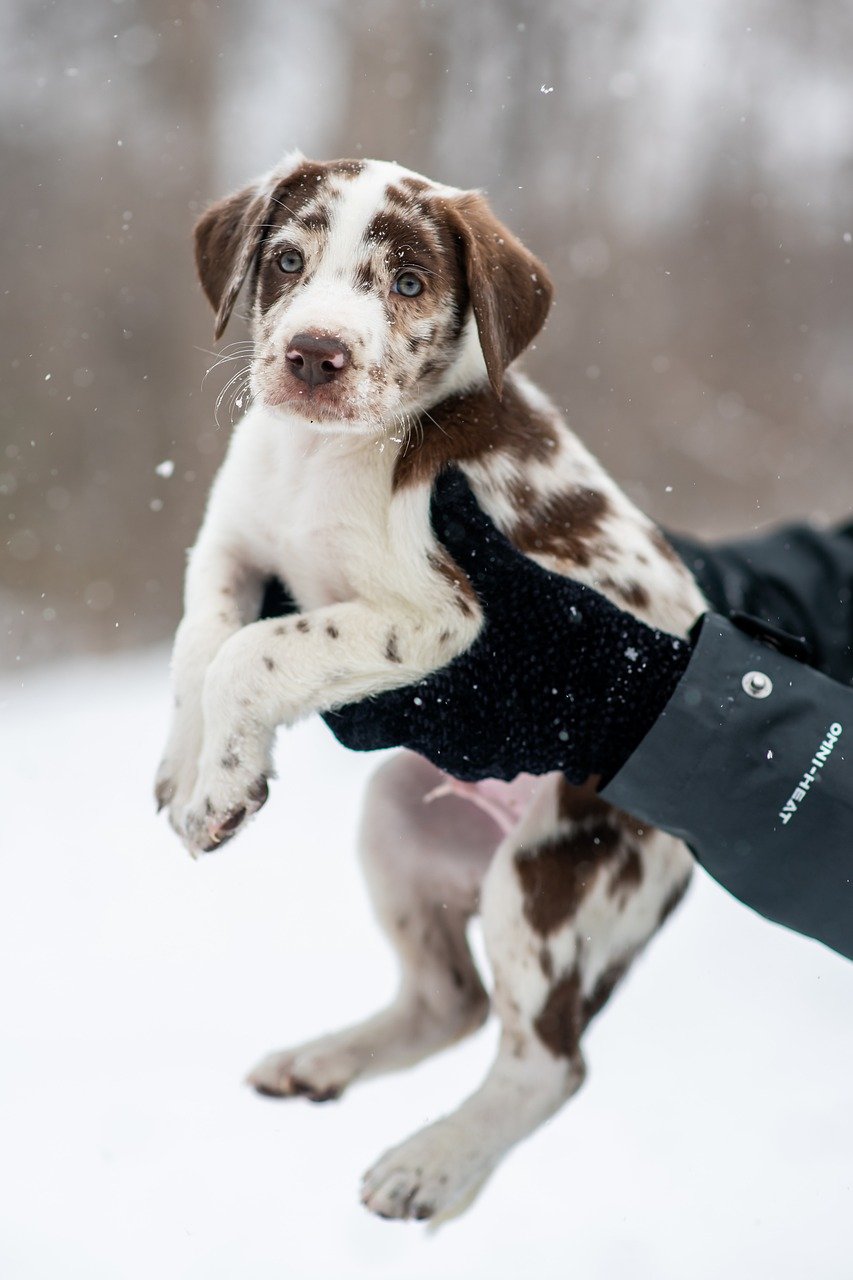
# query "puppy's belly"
(504, 802)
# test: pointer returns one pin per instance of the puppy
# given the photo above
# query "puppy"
(387, 311)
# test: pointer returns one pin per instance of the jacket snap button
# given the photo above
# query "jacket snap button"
(757, 684)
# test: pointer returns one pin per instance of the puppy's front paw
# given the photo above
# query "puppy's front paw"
(224, 799)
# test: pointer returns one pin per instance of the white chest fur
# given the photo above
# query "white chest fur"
(311, 508)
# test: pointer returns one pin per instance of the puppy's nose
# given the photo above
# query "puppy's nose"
(315, 360)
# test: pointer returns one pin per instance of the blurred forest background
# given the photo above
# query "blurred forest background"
(685, 167)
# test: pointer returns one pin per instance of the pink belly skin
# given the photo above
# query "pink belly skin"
(504, 802)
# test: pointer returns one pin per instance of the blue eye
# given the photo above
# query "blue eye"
(290, 261)
(408, 284)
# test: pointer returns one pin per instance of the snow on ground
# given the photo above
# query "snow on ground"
(714, 1136)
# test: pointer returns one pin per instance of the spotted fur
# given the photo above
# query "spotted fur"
(327, 484)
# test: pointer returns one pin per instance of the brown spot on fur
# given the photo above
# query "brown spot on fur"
(392, 653)
(280, 631)
(660, 543)
(603, 989)
(415, 186)
(635, 595)
(365, 277)
(564, 525)
(345, 168)
(405, 237)
(560, 1021)
(557, 874)
(465, 428)
(316, 219)
(303, 625)
(464, 595)
(230, 760)
(332, 631)
(268, 663)
(546, 964)
(444, 637)
(524, 496)
(566, 1012)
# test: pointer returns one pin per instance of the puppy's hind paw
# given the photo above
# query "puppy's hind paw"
(282, 1075)
(435, 1175)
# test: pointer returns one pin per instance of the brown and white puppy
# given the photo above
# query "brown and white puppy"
(386, 311)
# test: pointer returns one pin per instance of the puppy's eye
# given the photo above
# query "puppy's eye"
(290, 261)
(408, 284)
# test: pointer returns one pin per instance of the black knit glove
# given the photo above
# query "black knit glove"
(558, 679)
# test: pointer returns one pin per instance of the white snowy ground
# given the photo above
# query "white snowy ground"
(714, 1137)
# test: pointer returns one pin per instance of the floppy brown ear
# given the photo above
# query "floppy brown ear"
(510, 289)
(228, 234)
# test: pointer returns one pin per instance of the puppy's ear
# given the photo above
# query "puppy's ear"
(510, 289)
(229, 233)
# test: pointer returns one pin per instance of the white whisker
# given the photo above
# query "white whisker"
(234, 379)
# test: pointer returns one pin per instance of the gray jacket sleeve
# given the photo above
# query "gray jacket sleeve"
(751, 763)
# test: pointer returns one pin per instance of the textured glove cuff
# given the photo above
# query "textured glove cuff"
(640, 684)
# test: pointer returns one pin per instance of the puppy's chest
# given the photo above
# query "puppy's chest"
(323, 524)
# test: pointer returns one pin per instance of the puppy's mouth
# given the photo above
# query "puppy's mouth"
(327, 402)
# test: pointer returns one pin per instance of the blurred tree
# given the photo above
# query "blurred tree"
(104, 173)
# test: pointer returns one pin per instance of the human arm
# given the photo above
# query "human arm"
(751, 764)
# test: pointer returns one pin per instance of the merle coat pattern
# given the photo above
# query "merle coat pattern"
(387, 311)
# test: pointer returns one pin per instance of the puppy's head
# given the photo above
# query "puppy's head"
(374, 292)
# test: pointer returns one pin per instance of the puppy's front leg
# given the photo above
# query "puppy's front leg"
(222, 593)
(280, 670)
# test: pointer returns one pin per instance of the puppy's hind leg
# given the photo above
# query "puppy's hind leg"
(570, 898)
(424, 864)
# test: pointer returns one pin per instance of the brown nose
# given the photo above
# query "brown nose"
(315, 360)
